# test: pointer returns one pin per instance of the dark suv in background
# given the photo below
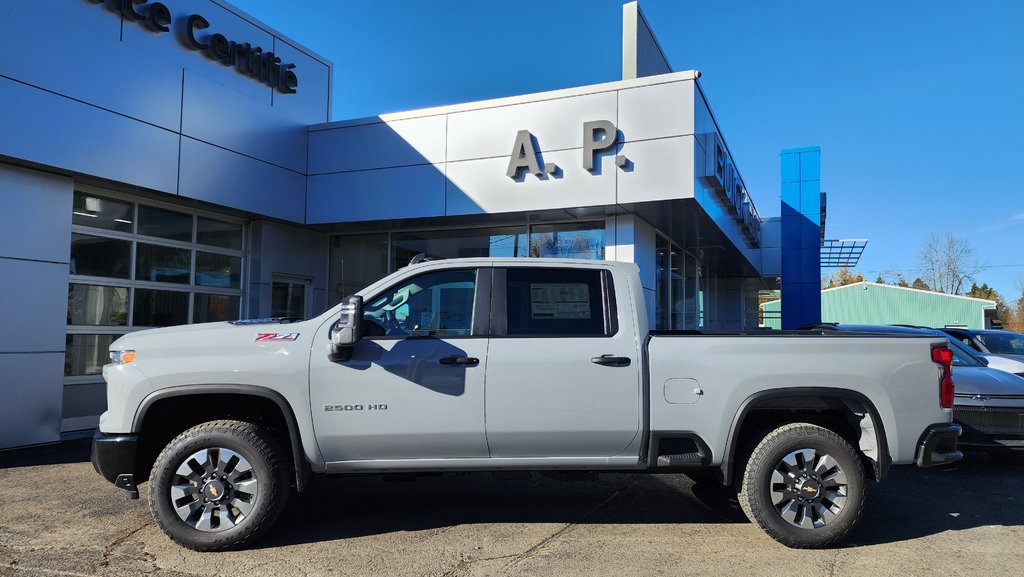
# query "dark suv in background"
(991, 342)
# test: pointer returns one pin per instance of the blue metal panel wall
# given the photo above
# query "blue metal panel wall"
(105, 97)
(801, 237)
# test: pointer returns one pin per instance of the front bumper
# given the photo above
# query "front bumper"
(938, 445)
(113, 457)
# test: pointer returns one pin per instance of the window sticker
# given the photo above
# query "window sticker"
(559, 300)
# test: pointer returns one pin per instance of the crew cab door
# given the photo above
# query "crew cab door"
(563, 374)
(413, 388)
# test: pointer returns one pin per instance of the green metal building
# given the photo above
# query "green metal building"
(868, 303)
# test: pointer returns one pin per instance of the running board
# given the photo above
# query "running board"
(680, 460)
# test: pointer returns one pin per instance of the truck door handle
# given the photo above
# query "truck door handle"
(460, 361)
(611, 360)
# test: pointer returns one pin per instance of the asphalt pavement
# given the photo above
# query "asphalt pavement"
(58, 517)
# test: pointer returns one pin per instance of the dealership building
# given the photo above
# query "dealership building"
(176, 162)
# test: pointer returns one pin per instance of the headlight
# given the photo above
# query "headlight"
(122, 357)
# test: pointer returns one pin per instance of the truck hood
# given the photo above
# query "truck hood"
(219, 339)
(985, 381)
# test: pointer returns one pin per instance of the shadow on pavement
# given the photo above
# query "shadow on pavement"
(340, 508)
(981, 491)
(911, 503)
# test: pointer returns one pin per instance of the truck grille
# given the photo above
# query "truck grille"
(993, 421)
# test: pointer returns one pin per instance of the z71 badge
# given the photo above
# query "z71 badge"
(276, 337)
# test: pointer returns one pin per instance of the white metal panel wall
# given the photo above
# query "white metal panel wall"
(393, 167)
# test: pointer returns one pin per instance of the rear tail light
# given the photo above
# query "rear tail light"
(942, 355)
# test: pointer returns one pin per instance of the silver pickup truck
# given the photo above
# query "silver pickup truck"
(514, 365)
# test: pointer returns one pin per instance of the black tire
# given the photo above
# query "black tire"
(266, 474)
(812, 504)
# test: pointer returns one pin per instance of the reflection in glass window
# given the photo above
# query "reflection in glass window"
(100, 212)
(356, 262)
(218, 270)
(165, 223)
(157, 263)
(98, 256)
(680, 288)
(219, 233)
(97, 305)
(584, 240)
(436, 304)
(288, 299)
(663, 284)
(690, 292)
(210, 308)
(156, 308)
(466, 243)
(86, 354)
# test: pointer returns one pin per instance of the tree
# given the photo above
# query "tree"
(842, 277)
(920, 284)
(880, 280)
(947, 264)
(901, 281)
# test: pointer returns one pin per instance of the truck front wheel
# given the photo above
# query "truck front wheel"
(218, 485)
(804, 485)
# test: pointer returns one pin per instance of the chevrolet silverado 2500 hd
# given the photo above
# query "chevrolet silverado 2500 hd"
(513, 365)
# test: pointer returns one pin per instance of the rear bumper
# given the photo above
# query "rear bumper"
(938, 445)
(113, 457)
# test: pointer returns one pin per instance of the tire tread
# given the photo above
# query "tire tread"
(276, 487)
(748, 499)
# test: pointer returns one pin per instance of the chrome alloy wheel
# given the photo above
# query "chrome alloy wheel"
(214, 489)
(809, 488)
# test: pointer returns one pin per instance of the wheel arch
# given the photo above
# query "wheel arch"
(872, 429)
(303, 473)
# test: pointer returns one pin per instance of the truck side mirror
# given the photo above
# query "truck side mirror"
(348, 329)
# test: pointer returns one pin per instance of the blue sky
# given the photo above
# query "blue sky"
(916, 104)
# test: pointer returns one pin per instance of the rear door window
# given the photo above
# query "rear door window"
(562, 302)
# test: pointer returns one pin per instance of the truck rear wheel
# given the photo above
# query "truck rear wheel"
(804, 486)
(219, 485)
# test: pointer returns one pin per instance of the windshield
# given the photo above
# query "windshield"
(963, 356)
(1003, 343)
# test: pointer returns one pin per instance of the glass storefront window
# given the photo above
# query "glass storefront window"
(288, 299)
(165, 223)
(157, 263)
(359, 260)
(474, 242)
(680, 288)
(97, 305)
(583, 240)
(210, 308)
(156, 308)
(99, 256)
(85, 354)
(663, 256)
(99, 212)
(218, 233)
(218, 270)
(690, 293)
(356, 262)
